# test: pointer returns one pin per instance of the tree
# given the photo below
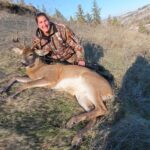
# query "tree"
(96, 13)
(44, 9)
(109, 20)
(38, 7)
(71, 20)
(115, 21)
(59, 15)
(88, 18)
(80, 15)
(20, 2)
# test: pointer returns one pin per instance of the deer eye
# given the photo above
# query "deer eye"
(30, 55)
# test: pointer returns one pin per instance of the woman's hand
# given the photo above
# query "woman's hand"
(81, 63)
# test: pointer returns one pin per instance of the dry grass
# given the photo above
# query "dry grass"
(36, 119)
(126, 54)
(119, 46)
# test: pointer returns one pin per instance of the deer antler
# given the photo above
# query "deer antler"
(40, 52)
(35, 43)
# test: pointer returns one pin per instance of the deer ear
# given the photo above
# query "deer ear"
(41, 52)
(17, 50)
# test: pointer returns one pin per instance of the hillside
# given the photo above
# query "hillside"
(17, 9)
(36, 119)
(137, 17)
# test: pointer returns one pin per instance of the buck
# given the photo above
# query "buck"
(89, 88)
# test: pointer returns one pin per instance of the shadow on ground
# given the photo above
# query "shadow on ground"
(93, 55)
(130, 128)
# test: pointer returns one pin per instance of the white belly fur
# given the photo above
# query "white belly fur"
(80, 88)
(74, 86)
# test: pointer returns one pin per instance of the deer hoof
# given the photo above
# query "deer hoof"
(2, 90)
(76, 142)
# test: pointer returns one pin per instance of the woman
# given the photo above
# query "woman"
(57, 41)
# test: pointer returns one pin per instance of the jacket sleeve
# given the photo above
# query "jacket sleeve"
(73, 42)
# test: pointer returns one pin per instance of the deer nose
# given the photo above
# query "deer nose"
(24, 63)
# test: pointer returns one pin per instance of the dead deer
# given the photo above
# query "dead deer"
(89, 88)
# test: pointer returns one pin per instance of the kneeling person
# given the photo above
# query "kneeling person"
(56, 42)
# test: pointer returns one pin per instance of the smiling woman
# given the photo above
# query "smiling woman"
(61, 44)
(43, 23)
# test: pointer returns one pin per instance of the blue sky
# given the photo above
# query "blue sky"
(108, 7)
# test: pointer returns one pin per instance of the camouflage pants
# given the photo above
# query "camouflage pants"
(48, 60)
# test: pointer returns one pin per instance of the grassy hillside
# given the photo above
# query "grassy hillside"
(36, 118)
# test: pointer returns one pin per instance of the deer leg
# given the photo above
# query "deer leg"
(86, 116)
(99, 110)
(12, 81)
(33, 84)
(79, 136)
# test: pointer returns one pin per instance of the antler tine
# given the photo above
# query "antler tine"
(35, 43)
(24, 43)
(38, 50)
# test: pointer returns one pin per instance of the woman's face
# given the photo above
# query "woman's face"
(43, 24)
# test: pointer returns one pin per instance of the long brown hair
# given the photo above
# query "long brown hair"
(41, 14)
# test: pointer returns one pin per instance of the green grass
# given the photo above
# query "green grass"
(41, 119)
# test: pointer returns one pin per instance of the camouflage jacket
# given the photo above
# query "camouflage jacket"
(62, 43)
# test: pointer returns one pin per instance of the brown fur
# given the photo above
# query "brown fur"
(90, 89)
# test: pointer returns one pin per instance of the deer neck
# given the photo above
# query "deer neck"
(36, 66)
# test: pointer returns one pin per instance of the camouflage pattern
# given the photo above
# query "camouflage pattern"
(62, 44)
